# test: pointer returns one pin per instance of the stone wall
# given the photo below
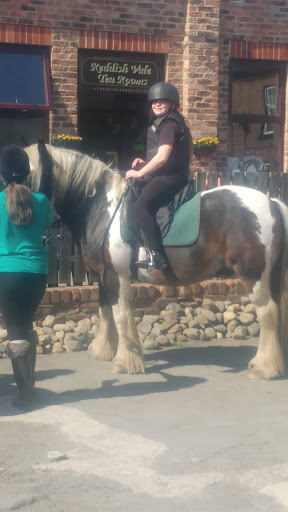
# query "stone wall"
(68, 318)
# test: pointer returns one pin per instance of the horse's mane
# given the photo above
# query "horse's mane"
(74, 174)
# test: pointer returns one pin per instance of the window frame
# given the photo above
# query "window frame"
(39, 50)
(263, 65)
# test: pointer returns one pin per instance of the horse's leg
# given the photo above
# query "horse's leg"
(129, 357)
(270, 296)
(269, 361)
(104, 346)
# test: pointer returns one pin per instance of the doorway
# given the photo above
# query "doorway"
(113, 125)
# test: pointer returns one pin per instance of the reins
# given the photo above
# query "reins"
(105, 232)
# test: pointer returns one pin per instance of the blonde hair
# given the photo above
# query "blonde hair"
(19, 204)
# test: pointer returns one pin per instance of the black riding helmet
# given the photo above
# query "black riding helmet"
(14, 164)
(164, 91)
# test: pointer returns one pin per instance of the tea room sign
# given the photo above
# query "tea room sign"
(118, 73)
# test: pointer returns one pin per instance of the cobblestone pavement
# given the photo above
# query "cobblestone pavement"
(192, 434)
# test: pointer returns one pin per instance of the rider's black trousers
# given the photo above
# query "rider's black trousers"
(20, 296)
(156, 193)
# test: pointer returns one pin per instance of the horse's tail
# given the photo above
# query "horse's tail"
(282, 271)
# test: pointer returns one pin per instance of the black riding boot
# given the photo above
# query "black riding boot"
(20, 354)
(23, 376)
(34, 340)
(156, 260)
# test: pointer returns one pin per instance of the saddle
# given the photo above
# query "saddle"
(178, 220)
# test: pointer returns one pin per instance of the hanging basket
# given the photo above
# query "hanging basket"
(204, 150)
(67, 142)
(205, 146)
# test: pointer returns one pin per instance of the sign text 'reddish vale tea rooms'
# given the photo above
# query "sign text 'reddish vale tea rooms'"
(101, 72)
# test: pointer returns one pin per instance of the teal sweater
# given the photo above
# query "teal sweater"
(21, 247)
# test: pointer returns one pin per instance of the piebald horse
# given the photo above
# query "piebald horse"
(240, 228)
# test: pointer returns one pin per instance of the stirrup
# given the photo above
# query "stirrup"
(157, 260)
(143, 263)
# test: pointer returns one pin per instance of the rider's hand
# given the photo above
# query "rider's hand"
(131, 174)
(138, 163)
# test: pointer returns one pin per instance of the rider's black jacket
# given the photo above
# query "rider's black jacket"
(178, 161)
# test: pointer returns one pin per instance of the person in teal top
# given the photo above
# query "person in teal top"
(21, 247)
(23, 264)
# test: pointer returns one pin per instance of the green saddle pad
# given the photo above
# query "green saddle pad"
(184, 229)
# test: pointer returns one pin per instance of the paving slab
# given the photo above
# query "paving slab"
(192, 434)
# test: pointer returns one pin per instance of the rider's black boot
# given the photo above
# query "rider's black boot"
(156, 260)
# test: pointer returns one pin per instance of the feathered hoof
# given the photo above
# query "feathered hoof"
(262, 372)
(131, 367)
(254, 375)
(101, 352)
(118, 368)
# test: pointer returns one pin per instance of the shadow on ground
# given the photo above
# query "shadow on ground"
(233, 359)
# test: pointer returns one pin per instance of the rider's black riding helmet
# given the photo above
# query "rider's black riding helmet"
(164, 91)
(14, 164)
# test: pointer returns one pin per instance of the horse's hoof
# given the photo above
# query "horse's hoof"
(118, 368)
(254, 375)
(258, 369)
(254, 372)
(104, 355)
(132, 369)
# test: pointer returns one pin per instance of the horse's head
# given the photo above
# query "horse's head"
(74, 176)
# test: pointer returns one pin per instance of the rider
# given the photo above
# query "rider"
(23, 263)
(167, 167)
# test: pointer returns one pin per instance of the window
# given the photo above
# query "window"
(25, 78)
(271, 104)
(25, 94)
(256, 115)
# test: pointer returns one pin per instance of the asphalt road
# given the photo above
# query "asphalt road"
(193, 434)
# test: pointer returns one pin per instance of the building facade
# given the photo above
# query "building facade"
(83, 67)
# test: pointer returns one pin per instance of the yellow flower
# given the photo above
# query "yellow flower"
(206, 141)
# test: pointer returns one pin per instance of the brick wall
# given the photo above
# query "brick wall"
(119, 25)
(86, 298)
(64, 65)
(263, 25)
(198, 37)
(130, 16)
(255, 20)
(201, 69)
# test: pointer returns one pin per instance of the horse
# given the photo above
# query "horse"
(240, 228)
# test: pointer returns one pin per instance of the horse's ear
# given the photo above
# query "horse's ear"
(41, 142)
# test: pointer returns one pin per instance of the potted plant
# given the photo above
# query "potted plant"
(205, 146)
(67, 141)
